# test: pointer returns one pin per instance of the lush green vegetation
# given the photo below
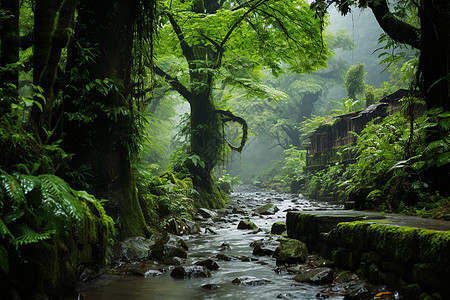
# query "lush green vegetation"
(91, 98)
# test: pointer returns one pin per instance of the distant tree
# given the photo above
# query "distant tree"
(354, 81)
(207, 35)
(430, 35)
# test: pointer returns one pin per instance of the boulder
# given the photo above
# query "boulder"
(316, 276)
(268, 209)
(264, 250)
(250, 280)
(247, 224)
(290, 251)
(278, 228)
(191, 227)
(206, 213)
(168, 246)
(135, 248)
(190, 272)
(208, 263)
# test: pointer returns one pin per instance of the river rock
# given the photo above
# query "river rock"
(268, 209)
(208, 263)
(290, 251)
(285, 296)
(190, 272)
(146, 272)
(264, 250)
(224, 257)
(168, 246)
(176, 226)
(206, 213)
(135, 248)
(316, 276)
(191, 227)
(247, 224)
(278, 228)
(356, 291)
(250, 280)
(225, 247)
(210, 286)
(174, 261)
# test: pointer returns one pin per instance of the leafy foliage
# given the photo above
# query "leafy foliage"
(36, 208)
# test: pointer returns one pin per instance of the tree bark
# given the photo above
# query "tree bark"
(102, 144)
(434, 63)
(10, 40)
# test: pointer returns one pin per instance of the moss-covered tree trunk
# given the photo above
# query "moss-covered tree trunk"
(206, 139)
(100, 122)
(9, 35)
(435, 52)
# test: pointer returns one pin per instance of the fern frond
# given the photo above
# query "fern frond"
(27, 235)
(12, 187)
(4, 230)
(28, 182)
(59, 199)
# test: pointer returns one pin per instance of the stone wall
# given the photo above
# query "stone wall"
(413, 261)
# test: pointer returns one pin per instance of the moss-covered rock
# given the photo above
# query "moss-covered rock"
(267, 209)
(290, 251)
(278, 228)
(247, 224)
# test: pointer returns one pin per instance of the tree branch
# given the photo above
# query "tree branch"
(231, 117)
(398, 30)
(187, 50)
(174, 82)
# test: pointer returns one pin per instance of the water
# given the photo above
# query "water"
(208, 245)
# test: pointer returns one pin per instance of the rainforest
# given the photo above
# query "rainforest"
(216, 149)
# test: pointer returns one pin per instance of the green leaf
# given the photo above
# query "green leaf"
(443, 159)
(13, 215)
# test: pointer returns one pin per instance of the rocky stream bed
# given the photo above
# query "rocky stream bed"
(229, 254)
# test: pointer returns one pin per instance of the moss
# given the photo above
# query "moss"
(215, 199)
(395, 242)
(434, 248)
(374, 199)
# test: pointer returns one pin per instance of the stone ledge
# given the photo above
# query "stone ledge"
(389, 249)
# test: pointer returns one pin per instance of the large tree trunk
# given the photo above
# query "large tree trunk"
(10, 40)
(206, 139)
(435, 52)
(102, 145)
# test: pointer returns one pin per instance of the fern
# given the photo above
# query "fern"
(12, 187)
(27, 235)
(58, 198)
(4, 230)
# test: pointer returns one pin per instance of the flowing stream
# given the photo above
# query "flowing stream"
(208, 245)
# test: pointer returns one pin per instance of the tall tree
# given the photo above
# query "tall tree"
(9, 37)
(210, 32)
(100, 121)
